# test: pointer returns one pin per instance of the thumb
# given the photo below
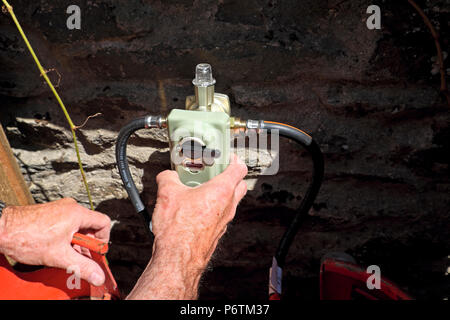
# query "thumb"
(239, 193)
(86, 268)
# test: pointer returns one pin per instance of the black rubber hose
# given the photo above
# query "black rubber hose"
(124, 170)
(318, 171)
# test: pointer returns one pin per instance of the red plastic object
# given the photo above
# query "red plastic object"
(343, 280)
(275, 296)
(51, 283)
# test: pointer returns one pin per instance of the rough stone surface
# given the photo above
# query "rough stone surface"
(369, 97)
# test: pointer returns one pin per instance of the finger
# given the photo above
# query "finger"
(233, 174)
(239, 193)
(223, 231)
(97, 223)
(84, 267)
(168, 176)
(66, 201)
(83, 250)
(77, 248)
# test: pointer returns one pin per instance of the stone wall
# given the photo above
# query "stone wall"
(369, 97)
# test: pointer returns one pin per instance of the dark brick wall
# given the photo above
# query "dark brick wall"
(369, 97)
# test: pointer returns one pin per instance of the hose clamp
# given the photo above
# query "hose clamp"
(255, 125)
(155, 122)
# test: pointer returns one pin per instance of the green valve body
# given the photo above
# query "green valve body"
(200, 135)
(204, 130)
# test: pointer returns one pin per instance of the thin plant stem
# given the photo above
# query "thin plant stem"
(440, 57)
(58, 98)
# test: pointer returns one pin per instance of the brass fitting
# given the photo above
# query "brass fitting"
(205, 98)
(237, 125)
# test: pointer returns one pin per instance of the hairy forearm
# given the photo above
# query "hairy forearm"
(172, 274)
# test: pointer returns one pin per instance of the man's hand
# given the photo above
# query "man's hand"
(41, 234)
(187, 224)
(196, 218)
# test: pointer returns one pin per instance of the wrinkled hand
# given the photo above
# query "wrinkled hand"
(194, 219)
(41, 234)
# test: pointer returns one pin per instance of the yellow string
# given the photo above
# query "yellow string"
(44, 74)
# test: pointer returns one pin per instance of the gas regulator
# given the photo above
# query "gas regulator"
(200, 139)
(199, 136)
